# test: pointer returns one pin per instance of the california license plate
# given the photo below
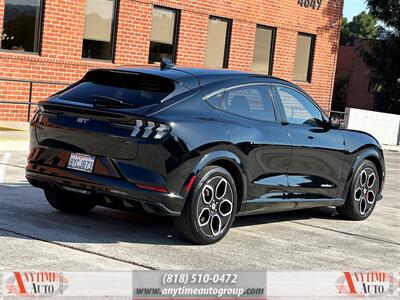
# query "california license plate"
(81, 162)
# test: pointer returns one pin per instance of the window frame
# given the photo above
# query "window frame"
(227, 89)
(113, 35)
(272, 48)
(39, 37)
(277, 97)
(176, 29)
(227, 38)
(310, 58)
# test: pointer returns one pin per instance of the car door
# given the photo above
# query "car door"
(318, 150)
(255, 130)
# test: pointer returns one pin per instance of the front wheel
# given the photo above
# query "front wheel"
(210, 208)
(363, 193)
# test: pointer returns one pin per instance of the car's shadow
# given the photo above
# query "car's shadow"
(296, 215)
(25, 212)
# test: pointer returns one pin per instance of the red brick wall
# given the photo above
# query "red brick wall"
(352, 66)
(60, 58)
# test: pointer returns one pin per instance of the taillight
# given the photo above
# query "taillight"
(38, 114)
(149, 129)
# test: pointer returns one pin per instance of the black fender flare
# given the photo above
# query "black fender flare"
(217, 157)
(374, 154)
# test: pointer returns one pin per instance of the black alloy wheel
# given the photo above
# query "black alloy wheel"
(210, 208)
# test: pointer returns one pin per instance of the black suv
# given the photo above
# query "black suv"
(199, 145)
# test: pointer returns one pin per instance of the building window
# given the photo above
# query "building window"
(22, 25)
(264, 50)
(164, 34)
(218, 37)
(304, 57)
(98, 40)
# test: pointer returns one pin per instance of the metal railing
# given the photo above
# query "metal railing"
(31, 83)
(29, 103)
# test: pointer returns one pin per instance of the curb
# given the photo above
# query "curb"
(14, 126)
(391, 148)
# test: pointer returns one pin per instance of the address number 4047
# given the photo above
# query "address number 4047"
(314, 4)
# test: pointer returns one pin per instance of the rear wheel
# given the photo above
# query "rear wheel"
(69, 202)
(363, 193)
(210, 208)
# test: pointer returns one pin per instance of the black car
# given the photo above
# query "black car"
(199, 145)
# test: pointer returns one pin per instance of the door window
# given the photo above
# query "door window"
(250, 101)
(298, 108)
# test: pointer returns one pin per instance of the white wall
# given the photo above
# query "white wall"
(384, 127)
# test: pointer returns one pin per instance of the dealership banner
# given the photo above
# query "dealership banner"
(199, 284)
(150, 285)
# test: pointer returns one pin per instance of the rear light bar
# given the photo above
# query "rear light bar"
(149, 129)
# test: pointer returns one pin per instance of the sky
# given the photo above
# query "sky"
(353, 8)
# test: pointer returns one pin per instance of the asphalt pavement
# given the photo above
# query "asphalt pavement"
(33, 236)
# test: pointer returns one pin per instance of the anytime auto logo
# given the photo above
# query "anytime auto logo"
(36, 284)
(367, 284)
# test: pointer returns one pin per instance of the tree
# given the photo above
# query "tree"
(382, 56)
(386, 11)
(363, 26)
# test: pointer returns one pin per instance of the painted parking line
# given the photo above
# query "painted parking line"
(3, 166)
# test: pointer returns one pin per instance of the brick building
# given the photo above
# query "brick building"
(352, 68)
(59, 40)
(354, 72)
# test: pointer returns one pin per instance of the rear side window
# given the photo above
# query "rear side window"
(250, 101)
(134, 88)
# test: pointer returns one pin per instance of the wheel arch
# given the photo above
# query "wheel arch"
(374, 155)
(230, 162)
(379, 167)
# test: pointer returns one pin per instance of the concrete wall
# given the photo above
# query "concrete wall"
(384, 127)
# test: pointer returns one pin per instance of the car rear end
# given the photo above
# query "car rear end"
(101, 138)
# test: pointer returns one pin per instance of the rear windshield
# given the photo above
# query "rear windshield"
(134, 88)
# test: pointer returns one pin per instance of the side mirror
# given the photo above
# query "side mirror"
(335, 122)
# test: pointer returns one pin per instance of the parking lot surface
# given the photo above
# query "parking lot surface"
(33, 236)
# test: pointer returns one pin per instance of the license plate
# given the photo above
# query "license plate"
(81, 162)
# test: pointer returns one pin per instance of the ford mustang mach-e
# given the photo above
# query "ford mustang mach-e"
(202, 146)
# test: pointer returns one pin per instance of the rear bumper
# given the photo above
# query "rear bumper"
(111, 192)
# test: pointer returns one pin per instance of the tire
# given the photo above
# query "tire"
(210, 208)
(67, 202)
(363, 193)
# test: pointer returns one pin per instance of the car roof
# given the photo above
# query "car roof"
(196, 77)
